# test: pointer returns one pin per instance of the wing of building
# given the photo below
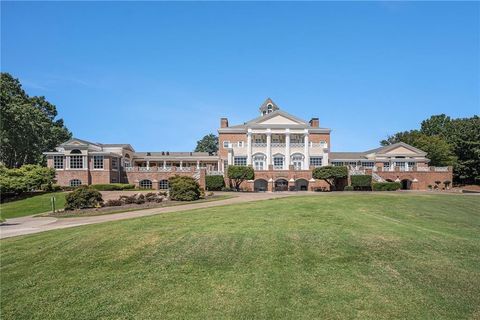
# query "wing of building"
(282, 149)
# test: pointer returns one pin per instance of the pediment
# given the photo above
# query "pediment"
(279, 119)
(401, 150)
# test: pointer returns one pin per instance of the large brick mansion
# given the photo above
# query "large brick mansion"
(281, 148)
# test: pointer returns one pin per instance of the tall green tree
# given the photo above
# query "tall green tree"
(208, 143)
(28, 125)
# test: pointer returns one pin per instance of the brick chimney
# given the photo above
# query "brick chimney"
(314, 123)
(223, 123)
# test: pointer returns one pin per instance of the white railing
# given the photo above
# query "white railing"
(259, 145)
(319, 145)
(424, 169)
(215, 173)
(441, 169)
(297, 145)
(277, 145)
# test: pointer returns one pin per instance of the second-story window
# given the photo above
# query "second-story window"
(114, 163)
(76, 162)
(240, 144)
(240, 161)
(278, 162)
(226, 144)
(369, 164)
(316, 161)
(97, 162)
(58, 162)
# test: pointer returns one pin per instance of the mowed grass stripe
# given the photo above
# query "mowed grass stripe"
(329, 256)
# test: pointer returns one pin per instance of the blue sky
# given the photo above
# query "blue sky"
(160, 75)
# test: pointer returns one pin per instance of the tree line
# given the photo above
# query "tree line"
(447, 142)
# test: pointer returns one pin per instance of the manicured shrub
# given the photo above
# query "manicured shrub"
(386, 186)
(113, 186)
(226, 189)
(128, 199)
(330, 174)
(27, 178)
(113, 203)
(83, 197)
(348, 188)
(361, 181)
(238, 174)
(184, 188)
(214, 183)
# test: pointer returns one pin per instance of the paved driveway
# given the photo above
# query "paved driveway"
(29, 224)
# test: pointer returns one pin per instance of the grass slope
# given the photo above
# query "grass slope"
(32, 205)
(329, 256)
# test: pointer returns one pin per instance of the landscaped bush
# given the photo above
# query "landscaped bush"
(27, 178)
(348, 188)
(214, 183)
(238, 174)
(113, 203)
(83, 197)
(386, 186)
(184, 188)
(330, 174)
(361, 182)
(128, 199)
(113, 186)
(226, 189)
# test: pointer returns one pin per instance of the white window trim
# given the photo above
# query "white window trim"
(63, 163)
(103, 163)
(227, 143)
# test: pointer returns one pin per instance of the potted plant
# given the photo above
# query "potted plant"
(447, 184)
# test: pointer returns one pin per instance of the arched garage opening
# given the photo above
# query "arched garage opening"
(260, 185)
(281, 185)
(301, 185)
(406, 184)
(389, 180)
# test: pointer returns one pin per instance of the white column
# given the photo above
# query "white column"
(325, 159)
(249, 147)
(406, 165)
(269, 149)
(198, 164)
(230, 157)
(67, 162)
(85, 162)
(219, 165)
(164, 164)
(148, 163)
(181, 164)
(306, 152)
(287, 149)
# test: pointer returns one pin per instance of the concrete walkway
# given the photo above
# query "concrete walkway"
(30, 224)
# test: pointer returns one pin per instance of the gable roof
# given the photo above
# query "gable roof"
(378, 151)
(85, 142)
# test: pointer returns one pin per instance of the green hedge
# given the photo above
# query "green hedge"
(361, 181)
(183, 188)
(348, 188)
(83, 197)
(386, 186)
(112, 186)
(214, 183)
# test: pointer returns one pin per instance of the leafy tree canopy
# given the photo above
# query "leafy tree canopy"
(28, 125)
(208, 143)
(238, 174)
(330, 174)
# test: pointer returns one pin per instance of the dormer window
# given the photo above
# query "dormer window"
(269, 108)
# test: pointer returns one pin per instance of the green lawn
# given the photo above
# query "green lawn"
(32, 205)
(330, 256)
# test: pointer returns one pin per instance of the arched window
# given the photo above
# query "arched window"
(297, 161)
(278, 161)
(75, 183)
(145, 184)
(259, 161)
(75, 151)
(163, 185)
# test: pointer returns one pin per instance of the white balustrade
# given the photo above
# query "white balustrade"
(441, 169)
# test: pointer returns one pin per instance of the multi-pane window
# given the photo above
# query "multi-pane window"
(97, 162)
(411, 164)
(337, 163)
(226, 144)
(240, 161)
(163, 184)
(76, 162)
(240, 144)
(400, 165)
(316, 161)
(259, 162)
(114, 163)
(278, 162)
(368, 164)
(75, 183)
(145, 184)
(58, 162)
(386, 165)
(126, 163)
(297, 162)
